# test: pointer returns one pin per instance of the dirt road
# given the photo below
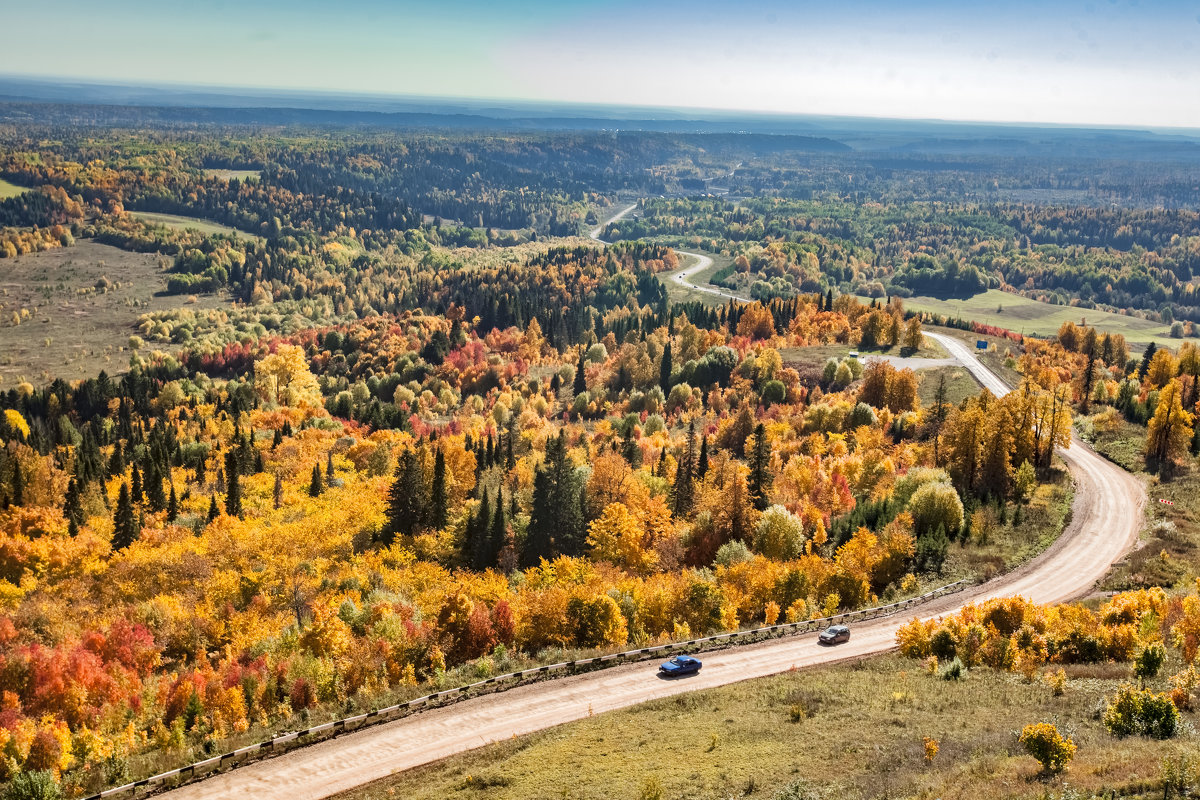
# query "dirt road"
(1106, 516)
(599, 229)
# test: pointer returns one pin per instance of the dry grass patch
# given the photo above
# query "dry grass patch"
(861, 736)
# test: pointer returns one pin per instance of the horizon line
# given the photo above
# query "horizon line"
(249, 92)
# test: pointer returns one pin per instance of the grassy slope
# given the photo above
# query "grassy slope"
(863, 739)
(240, 174)
(1170, 549)
(10, 189)
(183, 223)
(74, 331)
(1021, 314)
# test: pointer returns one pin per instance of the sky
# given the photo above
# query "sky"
(1103, 62)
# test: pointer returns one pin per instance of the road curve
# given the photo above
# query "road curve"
(681, 277)
(1106, 516)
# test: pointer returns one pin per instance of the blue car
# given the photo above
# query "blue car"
(680, 665)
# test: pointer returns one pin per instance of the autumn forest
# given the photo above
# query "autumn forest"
(401, 423)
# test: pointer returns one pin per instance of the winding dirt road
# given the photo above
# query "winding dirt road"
(1106, 516)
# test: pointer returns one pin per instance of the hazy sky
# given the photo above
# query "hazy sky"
(1104, 61)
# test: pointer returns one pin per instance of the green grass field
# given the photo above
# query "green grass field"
(10, 189)
(184, 223)
(1023, 315)
(851, 731)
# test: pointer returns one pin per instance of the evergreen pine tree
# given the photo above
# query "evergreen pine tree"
(406, 504)
(125, 526)
(135, 490)
(478, 533)
(683, 490)
(760, 477)
(1147, 357)
(214, 510)
(154, 488)
(172, 505)
(702, 462)
(233, 497)
(556, 524)
(72, 508)
(664, 370)
(316, 485)
(498, 532)
(329, 479)
(437, 496)
(580, 385)
(116, 462)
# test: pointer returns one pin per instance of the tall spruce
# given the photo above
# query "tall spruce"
(233, 495)
(498, 530)
(72, 507)
(683, 491)
(664, 370)
(154, 487)
(172, 505)
(135, 487)
(406, 504)
(702, 461)
(759, 482)
(580, 385)
(437, 495)
(556, 523)
(125, 521)
(316, 486)
(214, 510)
(478, 530)
(1147, 357)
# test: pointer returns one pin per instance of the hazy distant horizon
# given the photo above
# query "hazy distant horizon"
(56, 88)
(1111, 63)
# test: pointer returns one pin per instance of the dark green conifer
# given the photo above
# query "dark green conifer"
(125, 522)
(437, 496)
(233, 496)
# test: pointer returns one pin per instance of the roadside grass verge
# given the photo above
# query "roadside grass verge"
(850, 731)
(1169, 552)
(959, 385)
(1001, 539)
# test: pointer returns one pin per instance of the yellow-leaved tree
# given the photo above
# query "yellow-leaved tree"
(1170, 429)
(283, 378)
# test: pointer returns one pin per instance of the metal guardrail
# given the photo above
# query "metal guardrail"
(335, 727)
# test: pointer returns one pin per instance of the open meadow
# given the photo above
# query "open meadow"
(190, 223)
(1036, 318)
(69, 313)
(8, 190)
